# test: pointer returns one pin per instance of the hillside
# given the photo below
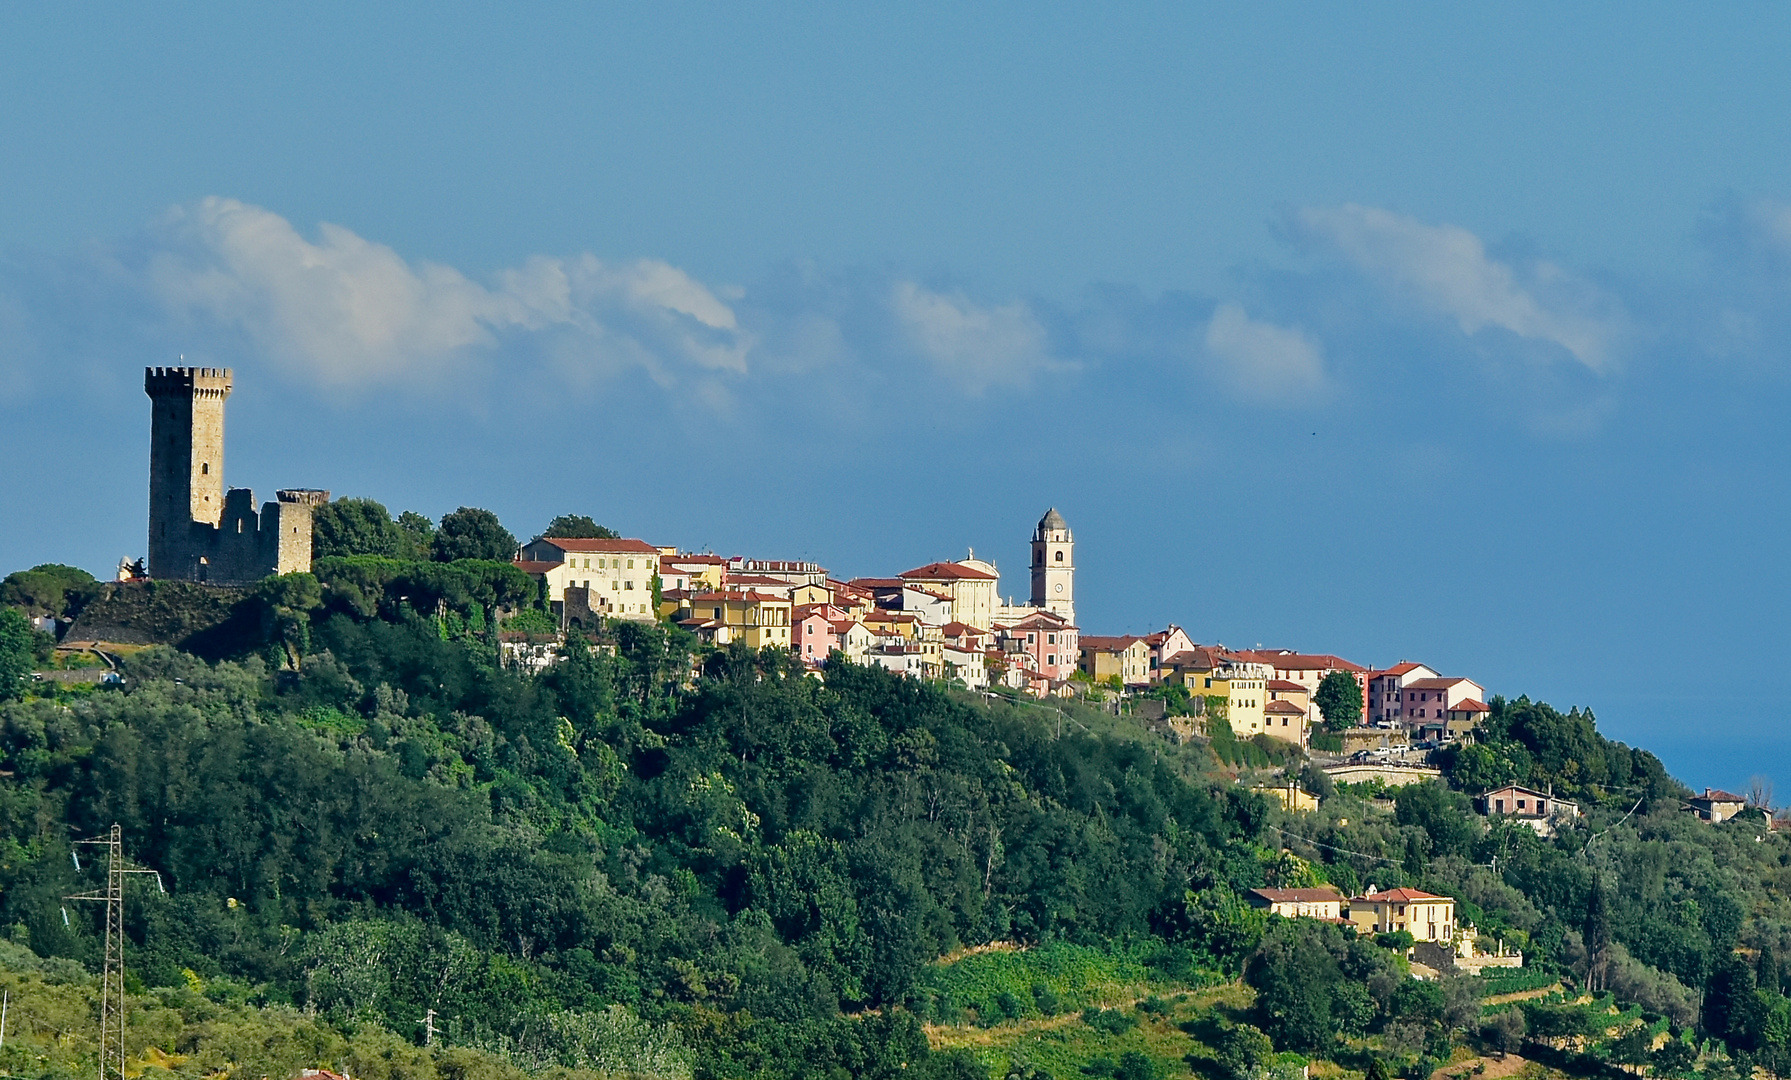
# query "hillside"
(777, 875)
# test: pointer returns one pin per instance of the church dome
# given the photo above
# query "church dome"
(1051, 522)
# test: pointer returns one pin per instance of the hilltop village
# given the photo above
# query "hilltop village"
(673, 790)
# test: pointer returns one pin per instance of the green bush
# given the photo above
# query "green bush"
(1109, 1021)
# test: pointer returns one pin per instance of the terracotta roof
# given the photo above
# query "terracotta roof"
(534, 566)
(755, 579)
(706, 560)
(1434, 684)
(1041, 619)
(1299, 896)
(1401, 668)
(1399, 896)
(1289, 661)
(1101, 643)
(1287, 685)
(948, 571)
(608, 547)
(866, 584)
(1200, 658)
(741, 596)
(1719, 795)
(1519, 787)
(961, 629)
(1280, 706)
(1470, 705)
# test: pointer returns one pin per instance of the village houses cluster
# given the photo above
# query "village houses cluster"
(948, 620)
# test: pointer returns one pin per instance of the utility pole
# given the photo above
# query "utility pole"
(428, 1023)
(111, 1056)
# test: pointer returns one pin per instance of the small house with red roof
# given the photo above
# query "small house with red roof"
(1324, 902)
(1716, 805)
(1126, 656)
(1539, 810)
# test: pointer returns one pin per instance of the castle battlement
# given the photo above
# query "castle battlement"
(185, 381)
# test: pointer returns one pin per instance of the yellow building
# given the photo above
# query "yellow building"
(706, 572)
(1127, 657)
(1290, 797)
(1238, 687)
(1282, 719)
(756, 619)
(1426, 916)
(809, 593)
(972, 590)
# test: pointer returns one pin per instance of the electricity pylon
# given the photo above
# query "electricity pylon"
(111, 1057)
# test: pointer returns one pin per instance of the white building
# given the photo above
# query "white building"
(618, 573)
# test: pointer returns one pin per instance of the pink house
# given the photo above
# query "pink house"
(1425, 701)
(1165, 643)
(812, 634)
(1048, 639)
(1384, 687)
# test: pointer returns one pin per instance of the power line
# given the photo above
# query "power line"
(111, 1056)
(1333, 847)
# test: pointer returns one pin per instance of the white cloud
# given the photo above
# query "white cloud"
(976, 347)
(1263, 361)
(343, 310)
(1446, 268)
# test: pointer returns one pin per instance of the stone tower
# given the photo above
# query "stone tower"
(198, 529)
(1054, 566)
(186, 461)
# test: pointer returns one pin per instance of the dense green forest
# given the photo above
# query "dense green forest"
(619, 866)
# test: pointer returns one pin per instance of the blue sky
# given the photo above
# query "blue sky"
(1398, 332)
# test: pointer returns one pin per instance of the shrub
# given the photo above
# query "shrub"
(1110, 1021)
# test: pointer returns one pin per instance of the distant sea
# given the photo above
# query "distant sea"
(1705, 742)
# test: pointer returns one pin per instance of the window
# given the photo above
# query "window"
(629, 585)
(1050, 639)
(205, 468)
(1060, 556)
(631, 564)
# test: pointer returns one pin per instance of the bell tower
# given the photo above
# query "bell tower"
(1054, 566)
(186, 461)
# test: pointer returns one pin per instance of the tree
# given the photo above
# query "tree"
(578, 527)
(418, 533)
(1295, 973)
(1339, 699)
(472, 533)
(17, 644)
(1597, 933)
(50, 589)
(354, 527)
